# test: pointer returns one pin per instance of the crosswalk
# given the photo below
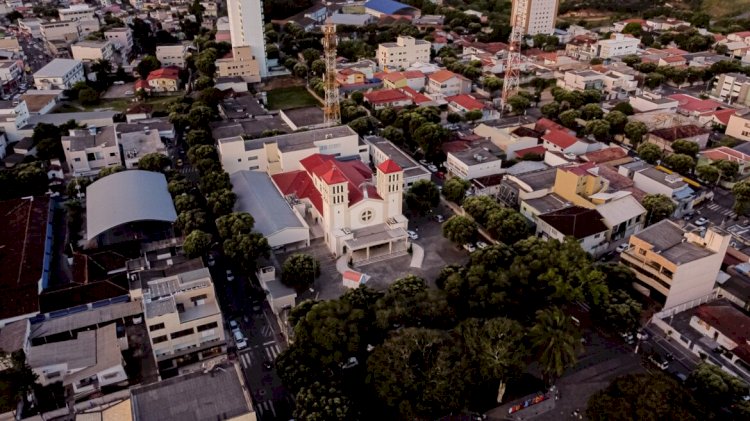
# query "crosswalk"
(246, 360)
(269, 351)
(267, 332)
(272, 350)
(265, 406)
(719, 209)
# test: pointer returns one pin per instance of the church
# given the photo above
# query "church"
(358, 213)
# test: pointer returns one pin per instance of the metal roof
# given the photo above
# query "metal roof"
(388, 7)
(127, 196)
(257, 195)
(57, 67)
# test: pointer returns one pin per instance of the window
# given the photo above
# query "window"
(182, 333)
(207, 326)
(366, 215)
(199, 300)
(157, 326)
(160, 339)
(180, 308)
(77, 159)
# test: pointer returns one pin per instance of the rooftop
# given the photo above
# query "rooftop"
(673, 181)
(85, 319)
(57, 67)
(24, 228)
(575, 221)
(218, 394)
(393, 152)
(538, 180)
(257, 195)
(666, 238)
(300, 140)
(548, 203)
(305, 116)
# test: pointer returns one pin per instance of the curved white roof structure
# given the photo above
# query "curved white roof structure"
(127, 196)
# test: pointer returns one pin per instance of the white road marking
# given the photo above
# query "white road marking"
(246, 360)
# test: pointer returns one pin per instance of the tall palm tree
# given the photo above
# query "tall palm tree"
(556, 342)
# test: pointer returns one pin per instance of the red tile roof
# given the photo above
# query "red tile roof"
(674, 51)
(691, 103)
(535, 150)
(680, 132)
(560, 138)
(466, 101)
(164, 73)
(723, 153)
(605, 155)
(575, 221)
(722, 115)
(443, 75)
(544, 124)
(389, 166)
(23, 229)
(141, 84)
(300, 184)
(728, 320)
(580, 169)
(674, 59)
(386, 96)
(415, 96)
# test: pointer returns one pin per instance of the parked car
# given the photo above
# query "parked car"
(470, 247)
(230, 275)
(211, 260)
(440, 175)
(481, 245)
(439, 218)
(432, 168)
(622, 247)
(701, 221)
(234, 326)
(413, 235)
(424, 162)
(658, 361)
(239, 339)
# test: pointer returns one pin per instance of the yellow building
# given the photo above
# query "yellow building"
(577, 185)
(241, 63)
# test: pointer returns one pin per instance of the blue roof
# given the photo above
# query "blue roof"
(388, 7)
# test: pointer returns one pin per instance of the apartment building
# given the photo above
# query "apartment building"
(31, 27)
(77, 12)
(738, 125)
(87, 153)
(184, 320)
(59, 73)
(580, 80)
(617, 46)
(733, 88)
(13, 116)
(10, 75)
(121, 39)
(172, 55)
(247, 30)
(478, 161)
(138, 139)
(673, 265)
(403, 53)
(283, 153)
(540, 16)
(60, 31)
(241, 63)
(446, 83)
(89, 51)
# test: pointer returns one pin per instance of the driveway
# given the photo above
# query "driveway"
(120, 91)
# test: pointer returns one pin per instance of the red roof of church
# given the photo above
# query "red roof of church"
(164, 73)
(389, 167)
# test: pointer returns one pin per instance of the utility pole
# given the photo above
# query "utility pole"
(513, 62)
(331, 109)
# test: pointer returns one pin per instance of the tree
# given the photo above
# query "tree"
(507, 225)
(177, 187)
(631, 59)
(358, 97)
(551, 110)
(658, 206)
(300, 70)
(480, 207)
(454, 118)
(741, 192)
(147, 65)
(728, 169)
(422, 197)
(685, 147)
(473, 115)
(109, 170)
(246, 249)
(568, 118)
(649, 152)
(600, 129)
(185, 202)
(88, 96)
(619, 312)
(430, 137)
(221, 202)
(459, 229)
(199, 116)
(680, 163)
(394, 135)
(154, 162)
(654, 80)
(202, 83)
(633, 28)
(715, 387)
(214, 181)
(555, 340)
(617, 121)
(318, 67)
(191, 220)
(299, 271)
(519, 103)
(197, 243)
(708, 173)
(624, 107)
(455, 189)
(197, 137)
(320, 402)
(624, 399)
(202, 151)
(492, 83)
(363, 125)
(634, 131)
(591, 112)
(14, 16)
(235, 223)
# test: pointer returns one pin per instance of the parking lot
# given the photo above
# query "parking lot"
(120, 91)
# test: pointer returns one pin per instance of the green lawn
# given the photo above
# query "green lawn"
(721, 8)
(159, 103)
(292, 97)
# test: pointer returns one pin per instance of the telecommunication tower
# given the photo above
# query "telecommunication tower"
(513, 62)
(331, 110)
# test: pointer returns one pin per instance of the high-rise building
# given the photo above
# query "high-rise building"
(540, 17)
(246, 29)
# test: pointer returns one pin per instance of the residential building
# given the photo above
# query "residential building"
(210, 9)
(738, 125)
(674, 265)
(656, 181)
(88, 363)
(510, 140)
(88, 26)
(77, 12)
(414, 79)
(623, 217)
(92, 51)
(10, 75)
(67, 30)
(121, 39)
(172, 55)
(585, 225)
(360, 215)
(617, 46)
(14, 115)
(664, 138)
(650, 102)
(446, 83)
(388, 98)
(724, 153)
(87, 153)
(478, 161)
(141, 138)
(517, 188)
(580, 80)
(31, 27)
(240, 62)
(349, 76)
(59, 74)
(222, 385)
(247, 30)
(568, 144)
(166, 79)
(183, 318)
(283, 153)
(540, 16)
(403, 53)
(464, 103)
(382, 150)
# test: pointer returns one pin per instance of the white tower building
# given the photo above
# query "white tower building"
(540, 16)
(247, 29)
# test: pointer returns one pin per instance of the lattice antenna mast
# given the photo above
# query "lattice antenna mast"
(514, 60)
(331, 110)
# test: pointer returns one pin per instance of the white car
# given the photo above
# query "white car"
(230, 275)
(239, 339)
(413, 235)
(470, 247)
(424, 162)
(234, 326)
(622, 247)
(481, 245)
(701, 221)
(432, 168)
(211, 260)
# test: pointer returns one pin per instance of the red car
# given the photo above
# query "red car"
(440, 175)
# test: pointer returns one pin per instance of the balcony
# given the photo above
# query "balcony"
(650, 273)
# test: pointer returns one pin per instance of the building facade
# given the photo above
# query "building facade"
(92, 50)
(121, 39)
(247, 29)
(403, 53)
(59, 74)
(172, 55)
(540, 16)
